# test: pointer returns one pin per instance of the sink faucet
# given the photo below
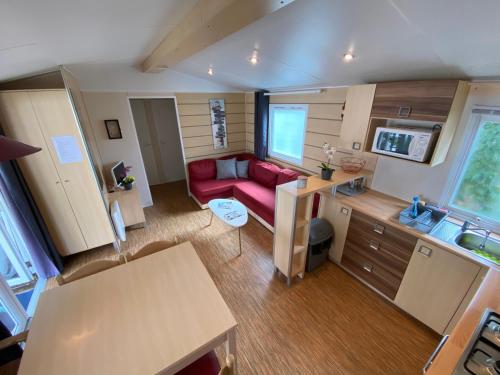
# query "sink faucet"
(476, 228)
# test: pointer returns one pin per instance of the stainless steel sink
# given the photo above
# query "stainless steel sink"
(473, 242)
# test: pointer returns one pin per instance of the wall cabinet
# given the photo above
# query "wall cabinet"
(434, 285)
(67, 194)
(356, 117)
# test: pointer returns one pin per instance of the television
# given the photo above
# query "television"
(119, 172)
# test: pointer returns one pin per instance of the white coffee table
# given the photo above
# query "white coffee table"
(230, 212)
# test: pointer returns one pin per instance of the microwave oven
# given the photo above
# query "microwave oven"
(406, 143)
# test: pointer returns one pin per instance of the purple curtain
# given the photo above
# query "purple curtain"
(261, 120)
(25, 214)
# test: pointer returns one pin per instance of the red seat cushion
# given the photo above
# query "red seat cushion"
(201, 170)
(287, 175)
(266, 174)
(257, 198)
(210, 189)
(206, 365)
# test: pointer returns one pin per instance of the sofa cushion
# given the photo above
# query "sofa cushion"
(257, 198)
(210, 189)
(287, 175)
(242, 168)
(226, 169)
(200, 170)
(242, 156)
(266, 174)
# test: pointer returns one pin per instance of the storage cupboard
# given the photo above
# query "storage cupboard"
(61, 176)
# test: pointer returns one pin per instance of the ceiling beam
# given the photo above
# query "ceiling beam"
(208, 22)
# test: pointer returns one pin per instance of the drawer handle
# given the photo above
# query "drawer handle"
(435, 353)
(404, 111)
(377, 228)
(368, 268)
(425, 251)
(374, 245)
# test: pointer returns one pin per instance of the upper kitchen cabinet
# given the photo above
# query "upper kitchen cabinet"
(356, 117)
(433, 106)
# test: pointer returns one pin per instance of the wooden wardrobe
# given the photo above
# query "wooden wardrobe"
(63, 185)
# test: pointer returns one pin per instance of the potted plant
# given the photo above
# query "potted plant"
(127, 182)
(326, 168)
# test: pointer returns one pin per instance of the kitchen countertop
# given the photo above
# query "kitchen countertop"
(488, 296)
(386, 209)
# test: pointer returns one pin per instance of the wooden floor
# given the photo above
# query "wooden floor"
(328, 323)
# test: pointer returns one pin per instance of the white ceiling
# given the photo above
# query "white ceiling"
(300, 45)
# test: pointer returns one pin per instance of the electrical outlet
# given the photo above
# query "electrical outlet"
(356, 146)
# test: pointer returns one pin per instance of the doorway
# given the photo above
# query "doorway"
(159, 139)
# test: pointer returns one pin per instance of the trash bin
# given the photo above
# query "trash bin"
(320, 239)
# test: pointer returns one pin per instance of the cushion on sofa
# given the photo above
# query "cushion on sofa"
(287, 175)
(210, 189)
(266, 174)
(242, 168)
(226, 169)
(200, 170)
(257, 198)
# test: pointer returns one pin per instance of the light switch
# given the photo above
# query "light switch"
(344, 210)
(356, 146)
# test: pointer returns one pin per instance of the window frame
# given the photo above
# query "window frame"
(463, 157)
(277, 155)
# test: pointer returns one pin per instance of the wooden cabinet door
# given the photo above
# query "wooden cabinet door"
(356, 118)
(19, 122)
(414, 100)
(338, 215)
(55, 115)
(435, 283)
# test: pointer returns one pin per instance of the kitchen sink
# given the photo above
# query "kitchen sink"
(472, 242)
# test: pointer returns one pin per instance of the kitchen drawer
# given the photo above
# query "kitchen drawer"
(371, 272)
(399, 241)
(388, 256)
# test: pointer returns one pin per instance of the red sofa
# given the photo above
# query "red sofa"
(257, 193)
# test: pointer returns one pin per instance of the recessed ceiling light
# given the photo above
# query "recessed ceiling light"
(210, 71)
(254, 59)
(348, 57)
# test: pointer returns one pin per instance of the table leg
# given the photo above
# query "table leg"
(211, 218)
(239, 239)
(231, 349)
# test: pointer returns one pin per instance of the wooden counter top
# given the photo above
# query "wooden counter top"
(386, 208)
(488, 296)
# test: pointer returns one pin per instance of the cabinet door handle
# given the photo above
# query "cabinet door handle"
(377, 228)
(425, 251)
(435, 353)
(404, 111)
(58, 182)
(374, 245)
(368, 267)
(66, 180)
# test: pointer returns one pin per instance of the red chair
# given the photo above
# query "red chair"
(208, 365)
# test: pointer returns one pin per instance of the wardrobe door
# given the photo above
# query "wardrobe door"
(65, 143)
(19, 122)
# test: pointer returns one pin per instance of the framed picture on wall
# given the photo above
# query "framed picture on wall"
(218, 118)
(113, 129)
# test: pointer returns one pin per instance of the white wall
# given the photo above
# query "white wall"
(404, 179)
(123, 77)
(114, 105)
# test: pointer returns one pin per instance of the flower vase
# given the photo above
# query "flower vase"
(326, 174)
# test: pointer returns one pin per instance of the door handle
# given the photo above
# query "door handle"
(368, 267)
(374, 245)
(58, 182)
(425, 251)
(66, 180)
(404, 111)
(377, 228)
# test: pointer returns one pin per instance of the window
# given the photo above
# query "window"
(287, 127)
(477, 187)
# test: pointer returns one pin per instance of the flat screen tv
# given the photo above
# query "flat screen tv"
(119, 172)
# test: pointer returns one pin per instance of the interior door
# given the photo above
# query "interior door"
(65, 144)
(19, 122)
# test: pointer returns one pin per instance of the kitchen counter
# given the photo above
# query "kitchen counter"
(488, 296)
(386, 208)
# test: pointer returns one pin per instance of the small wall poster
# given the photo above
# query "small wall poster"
(218, 118)
(67, 149)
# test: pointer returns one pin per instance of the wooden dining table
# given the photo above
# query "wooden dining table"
(156, 314)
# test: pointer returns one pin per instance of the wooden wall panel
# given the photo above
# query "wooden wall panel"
(196, 129)
(249, 120)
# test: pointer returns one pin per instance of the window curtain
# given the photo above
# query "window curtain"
(261, 121)
(25, 214)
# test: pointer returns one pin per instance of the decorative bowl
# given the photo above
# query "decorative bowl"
(351, 164)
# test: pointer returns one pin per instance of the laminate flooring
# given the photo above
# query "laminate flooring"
(327, 323)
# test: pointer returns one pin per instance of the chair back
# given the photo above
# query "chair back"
(88, 269)
(149, 249)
